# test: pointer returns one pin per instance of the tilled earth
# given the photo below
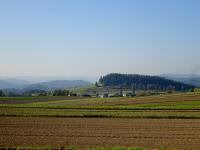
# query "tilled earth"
(36, 100)
(99, 132)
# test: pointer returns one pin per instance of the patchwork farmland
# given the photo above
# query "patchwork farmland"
(154, 122)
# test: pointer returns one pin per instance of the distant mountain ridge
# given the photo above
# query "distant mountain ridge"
(18, 82)
(187, 79)
(62, 84)
(18, 87)
(4, 84)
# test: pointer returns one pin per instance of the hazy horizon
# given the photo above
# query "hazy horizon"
(90, 38)
(37, 79)
(92, 79)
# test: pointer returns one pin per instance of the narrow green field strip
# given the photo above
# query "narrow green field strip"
(98, 113)
(67, 105)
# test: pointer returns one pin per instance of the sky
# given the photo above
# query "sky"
(90, 38)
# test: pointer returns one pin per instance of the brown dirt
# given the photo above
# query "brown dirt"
(36, 99)
(93, 132)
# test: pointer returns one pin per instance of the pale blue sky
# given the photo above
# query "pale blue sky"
(95, 37)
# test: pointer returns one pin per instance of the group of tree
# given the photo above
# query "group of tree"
(60, 92)
(56, 92)
(142, 82)
(2, 94)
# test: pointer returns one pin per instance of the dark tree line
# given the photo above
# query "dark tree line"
(56, 92)
(144, 82)
(60, 92)
(2, 93)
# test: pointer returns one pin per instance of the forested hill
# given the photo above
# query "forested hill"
(143, 82)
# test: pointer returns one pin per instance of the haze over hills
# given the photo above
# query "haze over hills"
(18, 81)
(39, 79)
(187, 79)
(16, 86)
(7, 84)
(163, 82)
(61, 84)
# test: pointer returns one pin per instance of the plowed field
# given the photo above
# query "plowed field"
(99, 132)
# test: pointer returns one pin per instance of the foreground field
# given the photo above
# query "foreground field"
(162, 106)
(99, 132)
(153, 122)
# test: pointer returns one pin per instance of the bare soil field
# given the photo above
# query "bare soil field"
(30, 100)
(99, 132)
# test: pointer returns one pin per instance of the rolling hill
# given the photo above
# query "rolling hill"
(4, 84)
(143, 82)
(62, 84)
(14, 88)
